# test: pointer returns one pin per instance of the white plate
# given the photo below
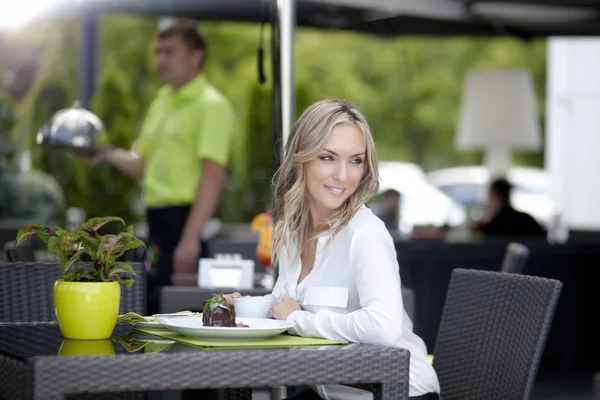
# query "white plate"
(154, 321)
(258, 328)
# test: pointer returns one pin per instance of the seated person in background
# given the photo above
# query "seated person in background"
(504, 220)
(387, 209)
(338, 272)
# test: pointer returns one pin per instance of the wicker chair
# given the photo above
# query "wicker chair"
(23, 253)
(515, 258)
(26, 291)
(492, 334)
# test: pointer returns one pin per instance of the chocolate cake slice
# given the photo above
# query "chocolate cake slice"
(217, 312)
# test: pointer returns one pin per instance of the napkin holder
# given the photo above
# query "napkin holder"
(226, 271)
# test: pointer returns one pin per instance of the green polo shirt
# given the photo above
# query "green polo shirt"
(182, 128)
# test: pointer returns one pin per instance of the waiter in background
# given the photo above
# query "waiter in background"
(181, 154)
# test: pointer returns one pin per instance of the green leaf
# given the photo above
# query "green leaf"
(116, 272)
(63, 261)
(27, 231)
(124, 241)
(61, 233)
(75, 258)
(126, 281)
(216, 301)
(87, 237)
(84, 275)
(54, 245)
(126, 267)
(93, 224)
(104, 245)
(70, 276)
(68, 243)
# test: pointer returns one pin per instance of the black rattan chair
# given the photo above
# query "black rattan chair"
(23, 253)
(515, 258)
(26, 292)
(492, 334)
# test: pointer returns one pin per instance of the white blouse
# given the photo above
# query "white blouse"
(353, 293)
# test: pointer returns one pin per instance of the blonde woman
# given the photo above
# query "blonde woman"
(338, 272)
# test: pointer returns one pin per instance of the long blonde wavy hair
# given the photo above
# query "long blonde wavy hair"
(306, 141)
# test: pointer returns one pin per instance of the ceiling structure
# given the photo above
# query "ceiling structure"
(523, 18)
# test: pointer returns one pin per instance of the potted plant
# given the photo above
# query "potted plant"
(87, 298)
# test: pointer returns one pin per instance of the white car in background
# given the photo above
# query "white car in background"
(468, 186)
(421, 203)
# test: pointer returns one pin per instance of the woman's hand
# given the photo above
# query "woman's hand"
(284, 308)
(229, 297)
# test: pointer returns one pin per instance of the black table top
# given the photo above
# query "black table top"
(23, 341)
(26, 340)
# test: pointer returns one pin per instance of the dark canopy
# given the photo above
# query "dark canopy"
(522, 18)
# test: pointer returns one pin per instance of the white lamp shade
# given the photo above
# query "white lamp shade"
(498, 111)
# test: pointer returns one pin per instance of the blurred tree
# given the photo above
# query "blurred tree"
(7, 122)
(253, 189)
(32, 196)
(409, 89)
(108, 191)
(9, 193)
(53, 89)
(121, 90)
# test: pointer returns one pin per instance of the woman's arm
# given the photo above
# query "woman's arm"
(374, 267)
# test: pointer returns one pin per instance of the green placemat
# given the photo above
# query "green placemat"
(155, 348)
(283, 340)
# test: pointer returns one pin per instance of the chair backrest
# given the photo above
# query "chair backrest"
(23, 253)
(26, 291)
(492, 334)
(515, 258)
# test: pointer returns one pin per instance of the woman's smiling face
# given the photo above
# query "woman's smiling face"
(336, 173)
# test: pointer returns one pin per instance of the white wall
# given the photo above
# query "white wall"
(573, 129)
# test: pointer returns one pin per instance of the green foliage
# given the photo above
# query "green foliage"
(119, 102)
(102, 250)
(7, 122)
(409, 89)
(117, 109)
(259, 148)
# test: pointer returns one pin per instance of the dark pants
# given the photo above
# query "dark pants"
(310, 394)
(165, 226)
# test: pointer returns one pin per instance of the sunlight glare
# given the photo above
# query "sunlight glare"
(19, 13)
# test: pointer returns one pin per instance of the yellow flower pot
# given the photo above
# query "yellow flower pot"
(72, 347)
(87, 310)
